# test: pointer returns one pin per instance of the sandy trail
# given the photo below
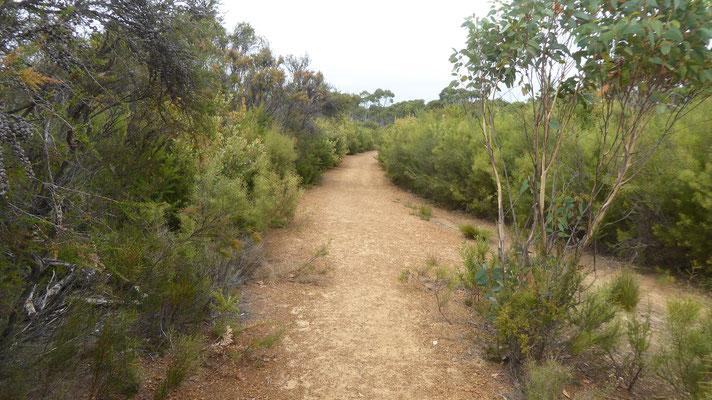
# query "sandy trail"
(360, 333)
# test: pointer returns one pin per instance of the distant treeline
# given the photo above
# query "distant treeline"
(374, 107)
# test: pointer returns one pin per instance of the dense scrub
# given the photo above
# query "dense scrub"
(439, 156)
(144, 154)
(569, 166)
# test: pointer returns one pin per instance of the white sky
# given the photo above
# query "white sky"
(399, 45)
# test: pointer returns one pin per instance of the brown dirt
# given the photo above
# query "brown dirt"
(357, 332)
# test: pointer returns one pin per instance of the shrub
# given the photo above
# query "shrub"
(685, 349)
(624, 289)
(438, 157)
(632, 365)
(530, 307)
(475, 233)
(268, 341)
(281, 152)
(356, 136)
(120, 218)
(115, 359)
(316, 156)
(276, 197)
(473, 259)
(546, 381)
(424, 212)
(595, 324)
(186, 359)
(435, 277)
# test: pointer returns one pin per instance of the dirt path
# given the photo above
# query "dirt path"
(351, 329)
(359, 332)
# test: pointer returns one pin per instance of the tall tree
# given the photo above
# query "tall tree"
(624, 61)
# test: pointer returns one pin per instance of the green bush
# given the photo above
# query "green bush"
(530, 307)
(595, 324)
(438, 156)
(186, 359)
(474, 258)
(139, 188)
(115, 358)
(624, 289)
(634, 364)
(316, 156)
(424, 212)
(546, 381)
(685, 349)
(356, 136)
(475, 233)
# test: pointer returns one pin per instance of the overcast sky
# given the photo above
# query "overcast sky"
(403, 46)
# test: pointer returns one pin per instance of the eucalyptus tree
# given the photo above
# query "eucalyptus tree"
(624, 62)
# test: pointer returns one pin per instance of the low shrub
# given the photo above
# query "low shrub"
(530, 306)
(546, 381)
(685, 349)
(186, 359)
(424, 212)
(595, 324)
(472, 232)
(633, 365)
(440, 279)
(474, 258)
(624, 289)
(115, 358)
(316, 156)
(268, 341)
(437, 155)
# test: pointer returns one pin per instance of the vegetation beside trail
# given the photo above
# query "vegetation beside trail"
(661, 219)
(607, 147)
(145, 152)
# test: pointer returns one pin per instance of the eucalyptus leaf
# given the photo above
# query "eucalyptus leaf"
(481, 276)
(673, 33)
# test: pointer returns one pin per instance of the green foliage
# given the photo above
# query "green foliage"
(316, 156)
(404, 276)
(536, 312)
(474, 259)
(612, 61)
(477, 233)
(357, 136)
(530, 307)
(596, 326)
(546, 381)
(424, 212)
(624, 290)
(225, 306)
(438, 158)
(186, 359)
(685, 349)
(281, 152)
(268, 341)
(545, 311)
(144, 153)
(114, 359)
(635, 363)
